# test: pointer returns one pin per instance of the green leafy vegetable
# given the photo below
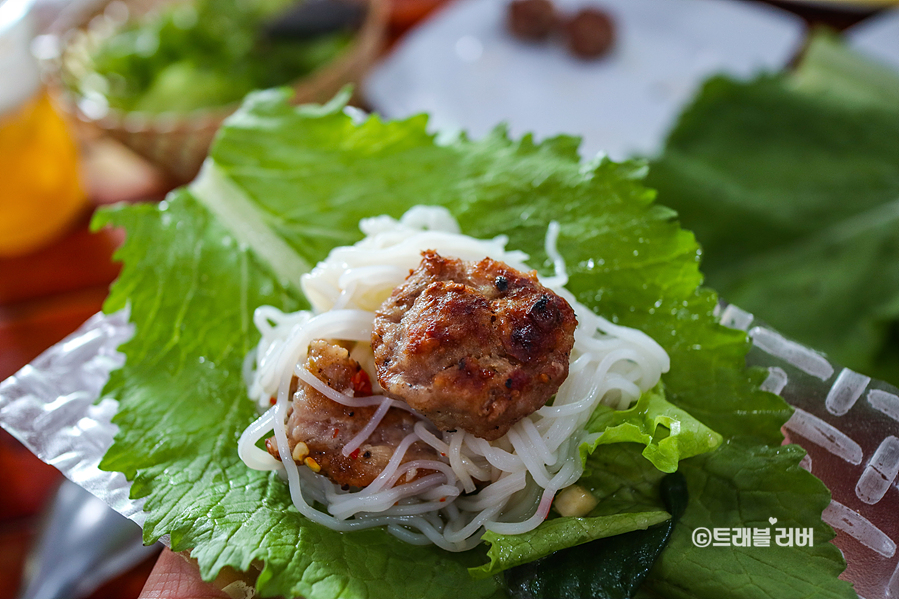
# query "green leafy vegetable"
(200, 54)
(791, 185)
(620, 563)
(828, 68)
(508, 551)
(283, 186)
(669, 433)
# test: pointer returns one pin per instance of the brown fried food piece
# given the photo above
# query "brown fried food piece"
(325, 426)
(472, 345)
(591, 33)
(531, 19)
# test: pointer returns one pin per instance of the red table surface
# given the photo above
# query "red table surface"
(46, 295)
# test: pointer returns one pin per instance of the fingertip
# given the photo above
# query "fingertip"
(176, 577)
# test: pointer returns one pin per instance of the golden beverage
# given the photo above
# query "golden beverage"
(40, 192)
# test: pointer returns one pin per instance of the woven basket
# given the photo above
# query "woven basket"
(178, 143)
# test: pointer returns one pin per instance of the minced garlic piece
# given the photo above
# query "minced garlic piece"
(300, 451)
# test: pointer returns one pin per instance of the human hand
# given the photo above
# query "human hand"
(175, 576)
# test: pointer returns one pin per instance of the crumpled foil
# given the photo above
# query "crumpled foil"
(51, 407)
(848, 423)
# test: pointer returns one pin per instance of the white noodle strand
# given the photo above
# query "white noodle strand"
(368, 429)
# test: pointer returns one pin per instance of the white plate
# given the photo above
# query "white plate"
(465, 70)
(878, 37)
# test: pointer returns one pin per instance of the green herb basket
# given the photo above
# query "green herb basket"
(178, 143)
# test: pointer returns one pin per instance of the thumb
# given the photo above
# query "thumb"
(177, 577)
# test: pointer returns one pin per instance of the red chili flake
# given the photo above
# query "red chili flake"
(273, 400)
(443, 454)
(336, 430)
(361, 384)
(442, 499)
(354, 454)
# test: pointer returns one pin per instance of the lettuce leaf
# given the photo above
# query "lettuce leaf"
(791, 184)
(624, 561)
(286, 184)
(669, 433)
(508, 551)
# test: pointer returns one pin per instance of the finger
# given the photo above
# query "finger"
(175, 577)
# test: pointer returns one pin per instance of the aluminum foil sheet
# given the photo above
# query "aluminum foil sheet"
(51, 407)
(848, 423)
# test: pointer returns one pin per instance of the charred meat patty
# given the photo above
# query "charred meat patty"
(318, 428)
(475, 346)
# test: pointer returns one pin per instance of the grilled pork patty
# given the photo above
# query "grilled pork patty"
(475, 346)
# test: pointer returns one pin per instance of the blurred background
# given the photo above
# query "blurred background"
(104, 102)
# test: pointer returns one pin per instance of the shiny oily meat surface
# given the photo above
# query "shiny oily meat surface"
(475, 346)
(324, 427)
